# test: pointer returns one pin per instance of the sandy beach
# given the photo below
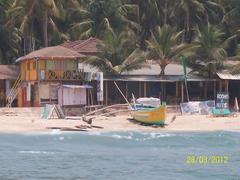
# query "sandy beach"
(29, 124)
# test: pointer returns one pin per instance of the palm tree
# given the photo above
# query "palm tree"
(33, 18)
(196, 12)
(117, 53)
(93, 18)
(164, 46)
(142, 17)
(10, 40)
(211, 53)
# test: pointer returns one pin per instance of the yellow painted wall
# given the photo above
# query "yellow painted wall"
(28, 70)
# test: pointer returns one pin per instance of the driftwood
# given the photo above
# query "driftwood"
(69, 128)
(72, 129)
(91, 126)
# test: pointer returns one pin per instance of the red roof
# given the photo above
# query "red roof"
(88, 46)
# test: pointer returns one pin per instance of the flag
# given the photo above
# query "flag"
(184, 63)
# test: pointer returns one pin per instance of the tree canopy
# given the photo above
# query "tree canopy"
(206, 30)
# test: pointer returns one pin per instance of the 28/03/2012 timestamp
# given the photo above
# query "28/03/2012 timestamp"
(204, 159)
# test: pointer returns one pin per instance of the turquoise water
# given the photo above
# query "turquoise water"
(118, 155)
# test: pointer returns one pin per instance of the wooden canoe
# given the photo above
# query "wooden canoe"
(154, 116)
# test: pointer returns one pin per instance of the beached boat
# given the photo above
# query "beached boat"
(154, 116)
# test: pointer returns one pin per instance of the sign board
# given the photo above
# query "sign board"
(99, 78)
(222, 101)
(197, 107)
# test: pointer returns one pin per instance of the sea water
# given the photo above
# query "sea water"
(119, 155)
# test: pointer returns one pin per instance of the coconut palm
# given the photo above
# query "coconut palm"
(34, 18)
(212, 52)
(142, 17)
(10, 40)
(196, 12)
(93, 18)
(164, 46)
(117, 54)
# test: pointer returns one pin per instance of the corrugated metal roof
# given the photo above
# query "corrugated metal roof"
(228, 76)
(151, 78)
(153, 70)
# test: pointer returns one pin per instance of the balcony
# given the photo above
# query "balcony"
(70, 75)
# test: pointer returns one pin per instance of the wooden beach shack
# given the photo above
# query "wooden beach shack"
(8, 74)
(146, 82)
(43, 72)
(230, 83)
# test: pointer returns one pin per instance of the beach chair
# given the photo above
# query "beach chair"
(222, 112)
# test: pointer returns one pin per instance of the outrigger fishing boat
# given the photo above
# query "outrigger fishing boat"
(149, 111)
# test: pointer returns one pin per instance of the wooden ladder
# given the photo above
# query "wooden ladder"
(17, 86)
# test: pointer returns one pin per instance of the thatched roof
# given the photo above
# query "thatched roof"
(9, 72)
(54, 52)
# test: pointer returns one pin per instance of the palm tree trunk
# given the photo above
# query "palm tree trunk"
(165, 12)
(162, 67)
(45, 27)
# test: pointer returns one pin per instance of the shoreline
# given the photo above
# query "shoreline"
(121, 123)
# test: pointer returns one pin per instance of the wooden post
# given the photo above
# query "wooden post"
(220, 86)
(145, 89)
(214, 89)
(106, 93)
(226, 85)
(176, 89)
(182, 91)
(126, 90)
(140, 93)
(205, 90)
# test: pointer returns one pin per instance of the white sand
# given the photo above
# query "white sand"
(17, 124)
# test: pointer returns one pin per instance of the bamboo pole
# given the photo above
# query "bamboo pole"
(122, 94)
(104, 108)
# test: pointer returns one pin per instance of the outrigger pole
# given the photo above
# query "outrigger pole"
(122, 95)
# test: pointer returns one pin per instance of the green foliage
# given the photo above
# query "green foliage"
(118, 53)
(165, 29)
(211, 54)
(164, 46)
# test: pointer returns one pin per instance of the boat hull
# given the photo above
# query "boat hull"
(150, 115)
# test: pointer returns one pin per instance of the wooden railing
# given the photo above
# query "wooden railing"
(62, 75)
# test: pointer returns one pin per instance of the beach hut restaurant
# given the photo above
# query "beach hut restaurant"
(57, 75)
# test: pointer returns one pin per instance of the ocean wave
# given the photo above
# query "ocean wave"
(35, 152)
(137, 136)
(117, 136)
